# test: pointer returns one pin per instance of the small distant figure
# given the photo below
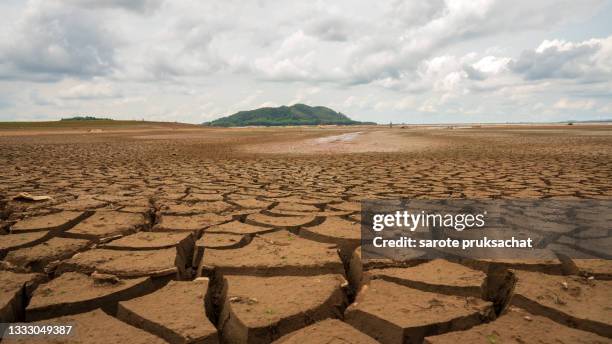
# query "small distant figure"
(391, 125)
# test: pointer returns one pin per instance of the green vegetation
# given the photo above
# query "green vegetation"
(298, 114)
(85, 118)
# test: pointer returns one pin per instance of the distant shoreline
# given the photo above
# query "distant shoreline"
(65, 123)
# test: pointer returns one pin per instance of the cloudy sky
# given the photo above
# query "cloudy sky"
(386, 60)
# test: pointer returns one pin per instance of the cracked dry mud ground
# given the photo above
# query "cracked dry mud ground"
(185, 237)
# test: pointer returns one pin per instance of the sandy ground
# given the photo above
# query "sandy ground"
(352, 142)
(188, 234)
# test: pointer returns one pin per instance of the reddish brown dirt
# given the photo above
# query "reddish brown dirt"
(260, 309)
(584, 303)
(73, 293)
(106, 225)
(392, 313)
(197, 222)
(96, 327)
(270, 214)
(56, 221)
(14, 289)
(276, 253)
(237, 227)
(518, 326)
(176, 313)
(38, 257)
(330, 331)
(16, 241)
(437, 276)
(355, 141)
(152, 241)
(124, 263)
(279, 221)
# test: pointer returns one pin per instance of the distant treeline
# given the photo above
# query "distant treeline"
(607, 120)
(85, 118)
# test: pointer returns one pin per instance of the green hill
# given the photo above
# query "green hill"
(298, 114)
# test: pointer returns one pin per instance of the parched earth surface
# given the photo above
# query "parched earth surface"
(189, 235)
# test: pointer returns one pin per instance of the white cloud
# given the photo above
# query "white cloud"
(142, 6)
(580, 104)
(492, 64)
(330, 29)
(90, 91)
(192, 60)
(268, 104)
(589, 60)
(51, 41)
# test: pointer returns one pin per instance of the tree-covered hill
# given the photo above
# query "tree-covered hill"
(298, 114)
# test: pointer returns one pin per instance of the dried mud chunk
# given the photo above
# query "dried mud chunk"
(37, 257)
(237, 227)
(294, 208)
(136, 210)
(439, 276)
(81, 203)
(196, 208)
(280, 221)
(199, 197)
(120, 199)
(189, 223)
(599, 268)
(358, 265)
(14, 290)
(126, 264)
(260, 309)
(330, 213)
(301, 200)
(269, 193)
(176, 313)
(355, 274)
(392, 313)
(220, 240)
(55, 221)
(151, 241)
(349, 206)
(355, 217)
(518, 326)
(73, 292)
(15, 241)
(329, 331)
(346, 234)
(275, 254)
(27, 197)
(104, 225)
(252, 203)
(572, 300)
(241, 212)
(95, 327)
(217, 241)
